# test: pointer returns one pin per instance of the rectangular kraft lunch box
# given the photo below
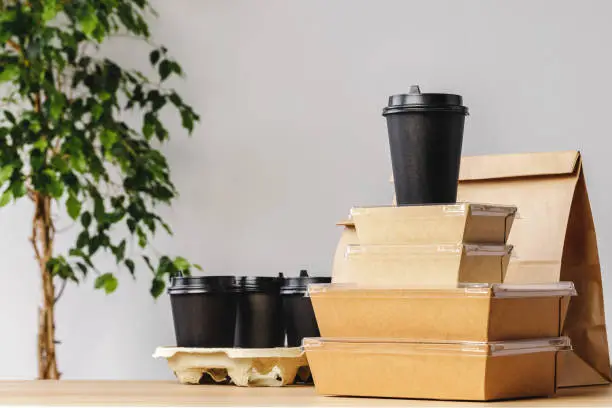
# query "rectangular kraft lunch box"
(465, 312)
(434, 370)
(426, 224)
(425, 264)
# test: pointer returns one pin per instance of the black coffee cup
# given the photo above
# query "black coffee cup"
(259, 314)
(204, 310)
(425, 138)
(299, 317)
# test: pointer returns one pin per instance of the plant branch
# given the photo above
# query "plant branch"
(34, 237)
(61, 291)
(13, 45)
(66, 228)
(31, 194)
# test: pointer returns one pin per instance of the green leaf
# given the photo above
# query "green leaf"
(49, 10)
(73, 205)
(41, 144)
(187, 120)
(57, 106)
(35, 126)
(166, 266)
(60, 164)
(149, 125)
(117, 202)
(181, 263)
(10, 117)
(106, 281)
(176, 100)
(6, 198)
(99, 210)
(104, 96)
(148, 130)
(97, 111)
(83, 239)
(88, 22)
(76, 252)
(159, 103)
(120, 251)
(150, 223)
(53, 265)
(55, 188)
(154, 57)
(198, 267)
(19, 189)
(142, 237)
(86, 219)
(71, 181)
(94, 244)
(131, 224)
(82, 267)
(5, 173)
(9, 73)
(157, 287)
(165, 69)
(37, 159)
(7, 15)
(130, 265)
(78, 162)
(148, 262)
(176, 68)
(108, 138)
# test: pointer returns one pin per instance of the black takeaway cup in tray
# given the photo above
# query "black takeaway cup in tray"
(204, 310)
(299, 317)
(425, 138)
(259, 317)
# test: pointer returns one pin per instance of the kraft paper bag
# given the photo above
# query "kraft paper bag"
(554, 240)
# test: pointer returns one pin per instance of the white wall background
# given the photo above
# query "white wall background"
(292, 135)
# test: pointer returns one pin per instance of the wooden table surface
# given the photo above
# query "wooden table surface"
(155, 393)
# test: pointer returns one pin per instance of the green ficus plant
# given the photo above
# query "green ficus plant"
(66, 146)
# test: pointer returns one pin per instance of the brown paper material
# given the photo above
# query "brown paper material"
(273, 367)
(554, 239)
(472, 313)
(431, 371)
(439, 224)
(424, 264)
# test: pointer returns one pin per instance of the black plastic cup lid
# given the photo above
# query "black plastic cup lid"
(415, 101)
(300, 285)
(201, 284)
(266, 284)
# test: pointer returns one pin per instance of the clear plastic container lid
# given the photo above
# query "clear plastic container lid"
(459, 209)
(418, 250)
(392, 346)
(497, 290)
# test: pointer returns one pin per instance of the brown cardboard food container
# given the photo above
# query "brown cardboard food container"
(439, 224)
(425, 264)
(444, 370)
(470, 312)
(555, 237)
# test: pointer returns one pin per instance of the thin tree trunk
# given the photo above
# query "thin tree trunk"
(42, 241)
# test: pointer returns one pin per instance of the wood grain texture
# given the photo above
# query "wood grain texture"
(160, 393)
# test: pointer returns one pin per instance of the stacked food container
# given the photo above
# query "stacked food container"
(418, 307)
(422, 312)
